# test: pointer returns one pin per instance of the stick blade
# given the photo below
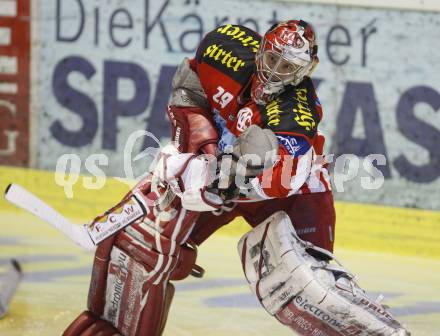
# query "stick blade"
(7, 188)
(25, 200)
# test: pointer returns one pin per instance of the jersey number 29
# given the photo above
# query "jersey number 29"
(222, 97)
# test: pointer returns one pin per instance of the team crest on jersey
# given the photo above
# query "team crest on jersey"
(244, 119)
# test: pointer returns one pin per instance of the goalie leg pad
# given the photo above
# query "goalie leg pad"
(130, 286)
(88, 324)
(142, 261)
(298, 284)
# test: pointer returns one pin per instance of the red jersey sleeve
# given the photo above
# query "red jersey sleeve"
(293, 116)
(288, 174)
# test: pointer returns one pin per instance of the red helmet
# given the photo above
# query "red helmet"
(288, 53)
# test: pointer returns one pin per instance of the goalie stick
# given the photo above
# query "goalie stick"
(85, 236)
(25, 200)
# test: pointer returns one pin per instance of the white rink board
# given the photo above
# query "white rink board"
(379, 87)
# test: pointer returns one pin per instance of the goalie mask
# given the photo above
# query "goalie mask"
(287, 54)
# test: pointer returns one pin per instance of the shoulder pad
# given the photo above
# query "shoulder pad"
(296, 111)
(230, 49)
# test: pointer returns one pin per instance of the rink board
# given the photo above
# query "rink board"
(393, 251)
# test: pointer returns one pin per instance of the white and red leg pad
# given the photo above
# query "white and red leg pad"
(300, 285)
(88, 324)
(130, 287)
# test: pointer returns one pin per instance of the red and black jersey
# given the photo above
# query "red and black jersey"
(225, 64)
(294, 113)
